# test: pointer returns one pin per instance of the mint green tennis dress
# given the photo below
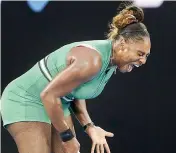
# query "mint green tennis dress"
(21, 100)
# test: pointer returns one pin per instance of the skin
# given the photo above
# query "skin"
(96, 133)
(128, 54)
(37, 137)
(82, 64)
(32, 137)
(56, 142)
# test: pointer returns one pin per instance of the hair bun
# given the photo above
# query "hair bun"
(137, 12)
(128, 14)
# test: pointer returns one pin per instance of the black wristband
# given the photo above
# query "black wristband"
(66, 135)
(87, 125)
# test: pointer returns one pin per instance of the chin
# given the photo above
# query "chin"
(123, 71)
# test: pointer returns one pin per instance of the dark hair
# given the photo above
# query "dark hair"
(128, 23)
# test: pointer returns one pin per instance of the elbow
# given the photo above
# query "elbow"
(45, 95)
(49, 98)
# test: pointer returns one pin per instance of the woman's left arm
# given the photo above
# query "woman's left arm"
(96, 133)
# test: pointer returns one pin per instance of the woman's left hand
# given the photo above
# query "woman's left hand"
(99, 142)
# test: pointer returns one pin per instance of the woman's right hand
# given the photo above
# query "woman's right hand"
(71, 146)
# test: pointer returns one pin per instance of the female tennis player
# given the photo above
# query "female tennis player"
(36, 106)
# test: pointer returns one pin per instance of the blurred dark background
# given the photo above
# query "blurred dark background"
(138, 107)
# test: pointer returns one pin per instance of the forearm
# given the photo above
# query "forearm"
(53, 107)
(80, 110)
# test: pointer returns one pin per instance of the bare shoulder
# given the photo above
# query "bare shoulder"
(86, 58)
(83, 63)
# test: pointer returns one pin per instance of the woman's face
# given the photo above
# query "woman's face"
(132, 54)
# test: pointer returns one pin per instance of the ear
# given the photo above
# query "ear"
(122, 43)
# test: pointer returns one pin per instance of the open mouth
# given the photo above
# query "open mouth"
(136, 65)
(131, 66)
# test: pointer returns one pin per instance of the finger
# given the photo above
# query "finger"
(109, 134)
(93, 148)
(98, 148)
(107, 148)
(102, 148)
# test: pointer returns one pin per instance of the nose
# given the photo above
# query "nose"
(143, 61)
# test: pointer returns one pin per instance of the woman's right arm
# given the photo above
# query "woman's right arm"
(82, 64)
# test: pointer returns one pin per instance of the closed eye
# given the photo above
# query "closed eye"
(140, 53)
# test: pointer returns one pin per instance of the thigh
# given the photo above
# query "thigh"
(55, 139)
(31, 137)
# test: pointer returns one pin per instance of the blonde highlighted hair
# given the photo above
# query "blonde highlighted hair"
(128, 23)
